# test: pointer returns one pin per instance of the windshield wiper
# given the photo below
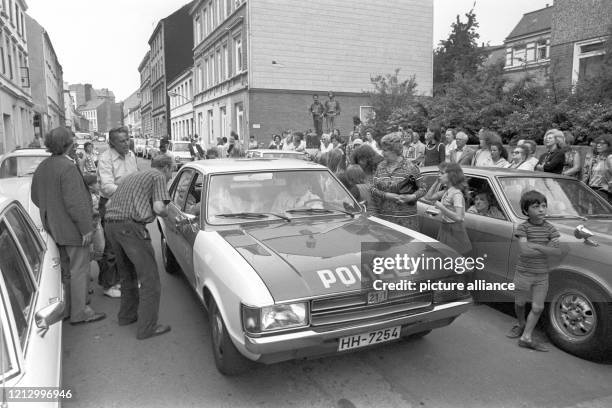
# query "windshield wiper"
(566, 217)
(598, 215)
(319, 211)
(253, 215)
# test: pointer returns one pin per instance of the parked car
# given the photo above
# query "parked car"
(278, 154)
(139, 146)
(578, 315)
(180, 151)
(151, 148)
(284, 283)
(31, 306)
(21, 162)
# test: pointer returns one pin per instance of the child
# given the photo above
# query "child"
(97, 242)
(357, 185)
(538, 239)
(451, 204)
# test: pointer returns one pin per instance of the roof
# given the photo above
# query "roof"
(248, 165)
(533, 22)
(497, 171)
(27, 152)
(277, 151)
(92, 104)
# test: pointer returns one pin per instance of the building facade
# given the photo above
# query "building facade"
(257, 63)
(580, 30)
(145, 96)
(170, 53)
(131, 114)
(180, 91)
(97, 112)
(74, 120)
(528, 46)
(81, 94)
(46, 79)
(16, 105)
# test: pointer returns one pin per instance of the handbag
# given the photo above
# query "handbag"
(408, 185)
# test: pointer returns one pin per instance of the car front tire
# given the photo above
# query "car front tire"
(170, 264)
(228, 359)
(579, 319)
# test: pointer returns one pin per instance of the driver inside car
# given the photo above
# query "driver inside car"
(298, 195)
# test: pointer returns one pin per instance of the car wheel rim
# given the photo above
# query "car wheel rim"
(574, 315)
(217, 334)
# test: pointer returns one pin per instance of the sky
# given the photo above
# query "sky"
(102, 42)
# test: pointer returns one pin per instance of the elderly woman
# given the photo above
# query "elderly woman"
(482, 158)
(573, 163)
(519, 158)
(389, 177)
(499, 155)
(554, 159)
(597, 171)
(450, 145)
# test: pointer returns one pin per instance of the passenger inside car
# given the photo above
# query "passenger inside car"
(483, 205)
(298, 195)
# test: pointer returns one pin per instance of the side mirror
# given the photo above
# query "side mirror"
(581, 232)
(49, 315)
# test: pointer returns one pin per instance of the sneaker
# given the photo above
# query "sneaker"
(112, 292)
(515, 332)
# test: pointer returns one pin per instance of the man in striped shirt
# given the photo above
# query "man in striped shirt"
(138, 199)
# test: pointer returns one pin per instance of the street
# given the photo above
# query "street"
(467, 364)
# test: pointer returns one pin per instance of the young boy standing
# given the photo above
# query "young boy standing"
(538, 240)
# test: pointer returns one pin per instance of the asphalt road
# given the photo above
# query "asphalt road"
(468, 364)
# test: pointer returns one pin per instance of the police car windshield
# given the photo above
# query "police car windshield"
(277, 192)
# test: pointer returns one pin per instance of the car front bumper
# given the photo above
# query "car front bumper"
(311, 342)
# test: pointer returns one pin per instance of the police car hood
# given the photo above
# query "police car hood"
(316, 257)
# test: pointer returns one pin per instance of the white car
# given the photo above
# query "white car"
(21, 162)
(281, 276)
(180, 151)
(31, 310)
(276, 154)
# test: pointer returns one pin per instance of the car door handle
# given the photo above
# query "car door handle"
(432, 211)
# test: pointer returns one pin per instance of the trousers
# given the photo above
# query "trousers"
(75, 260)
(108, 275)
(135, 258)
(318, 124)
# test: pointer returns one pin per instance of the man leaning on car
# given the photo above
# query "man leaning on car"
(135, 203)
(65, 209)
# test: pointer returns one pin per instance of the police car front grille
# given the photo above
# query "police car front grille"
(353, 308)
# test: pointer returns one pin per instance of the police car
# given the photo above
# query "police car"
(273, 249)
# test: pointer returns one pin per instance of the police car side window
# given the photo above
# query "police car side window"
(27, 237)
(182, 188)
(19, 283)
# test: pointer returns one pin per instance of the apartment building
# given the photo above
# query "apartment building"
(180, 92)
(131, 114)
(145, 96)
(171, 51)
(16, 105)
(46, 79)
(257, 63)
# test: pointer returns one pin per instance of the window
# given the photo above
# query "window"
(200, 123)
(2, 54)
(530, 54)
(220, 11)
(543, 47)
(209, 71)
(198, 30)
(508, 57)
(26, 236)
(214, 78)
(205, 21)
(228, 7)
(588, 59)
(225, 62)
(211, 131)
(219, 72)
(19, 283)
(518, 57)
(10, 58)
(366, 113)
(223, 113)
(238, 108)
(238, 48)
(182, 187)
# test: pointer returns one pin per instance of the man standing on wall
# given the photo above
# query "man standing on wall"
(113, 165)
(332, 109)
(317, 110)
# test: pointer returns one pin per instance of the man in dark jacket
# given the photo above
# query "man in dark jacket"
(65, 206)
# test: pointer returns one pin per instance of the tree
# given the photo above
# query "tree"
(458, 55)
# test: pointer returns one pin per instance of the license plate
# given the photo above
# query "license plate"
(367, 339)
(377, 296)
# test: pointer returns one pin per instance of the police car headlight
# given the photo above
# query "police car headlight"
(276, 317)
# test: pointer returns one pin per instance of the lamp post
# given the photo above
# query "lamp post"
(176, 94)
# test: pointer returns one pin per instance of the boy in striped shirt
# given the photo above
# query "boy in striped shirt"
(538, 240)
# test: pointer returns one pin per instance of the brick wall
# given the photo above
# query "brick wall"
(275, 112)
(575, 20)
